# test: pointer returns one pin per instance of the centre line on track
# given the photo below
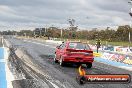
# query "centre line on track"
(39, 44)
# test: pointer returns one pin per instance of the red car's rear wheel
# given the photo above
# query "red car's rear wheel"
(89, 65)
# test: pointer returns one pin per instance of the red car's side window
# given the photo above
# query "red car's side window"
(62, 46)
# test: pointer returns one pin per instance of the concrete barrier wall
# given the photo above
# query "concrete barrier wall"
(118, 49)
(122, 58)
(56, 42)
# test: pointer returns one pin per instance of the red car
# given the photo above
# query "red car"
(74, 52)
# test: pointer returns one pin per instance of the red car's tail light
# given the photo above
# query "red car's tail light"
(88, 54)
(68, 52)
(91, 54)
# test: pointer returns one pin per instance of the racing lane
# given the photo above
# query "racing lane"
(43, 54)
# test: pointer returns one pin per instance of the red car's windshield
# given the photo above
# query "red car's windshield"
(79, 46)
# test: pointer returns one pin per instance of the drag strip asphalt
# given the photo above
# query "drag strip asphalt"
(62, 77)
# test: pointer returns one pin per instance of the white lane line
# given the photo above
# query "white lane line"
(127, 68)
(2, 60)
(40, 44)
(2, 41)
(9, 75)
(46, 45)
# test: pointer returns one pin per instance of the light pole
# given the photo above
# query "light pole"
(130, 2)
(40, 30)
(61, 33)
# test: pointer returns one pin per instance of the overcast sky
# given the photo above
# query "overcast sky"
(87, 13)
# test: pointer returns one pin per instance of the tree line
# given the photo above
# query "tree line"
(119, 34)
